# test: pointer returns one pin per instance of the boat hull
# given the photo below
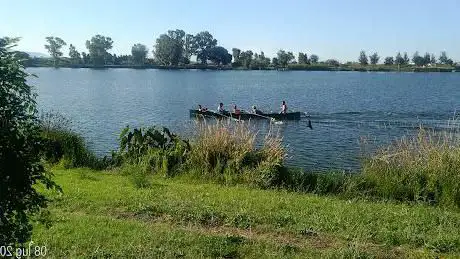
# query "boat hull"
(247, 116)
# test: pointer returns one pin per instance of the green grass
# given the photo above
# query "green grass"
(103, 214)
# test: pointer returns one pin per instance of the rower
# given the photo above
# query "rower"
(283, 108)
(236, 110)
(255, 111)
(220, 108)
(201, 109)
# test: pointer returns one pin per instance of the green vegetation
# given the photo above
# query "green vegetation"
(20, 145)
(100, 214)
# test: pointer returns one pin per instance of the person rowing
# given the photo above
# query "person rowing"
(220, 108)
(283, 108)
(201, 109)
(256, 111)
(236, 111)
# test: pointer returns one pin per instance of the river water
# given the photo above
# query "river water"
(345, 107)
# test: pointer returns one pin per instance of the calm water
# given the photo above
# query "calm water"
(344, 106)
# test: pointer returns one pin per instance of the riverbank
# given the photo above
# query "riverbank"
(291, 67)
(102, 214)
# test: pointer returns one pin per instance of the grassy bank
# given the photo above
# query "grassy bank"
(103, 214)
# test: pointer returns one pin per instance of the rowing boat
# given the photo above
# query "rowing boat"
(247, 116)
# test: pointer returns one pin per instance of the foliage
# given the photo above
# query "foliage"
(284, 58)
(236, 55)
(139, 53)
(303, 58)
(20, 144)
(155, 149)
(227, 152)
(389, 61)
(97, 47)
(363, 60)
(405, 59)
(74, 55)
(443, 59)
(54, 48)
(314, 59)
(260, 61)
(168, 49)
(246, 58)
(422, 168)
(219, 55)
(374, 58)
(399, 60)
(332, 62)
(203, 42)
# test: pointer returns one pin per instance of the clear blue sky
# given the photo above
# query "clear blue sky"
(329, 28)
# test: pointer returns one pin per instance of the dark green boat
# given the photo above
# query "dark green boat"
(247, 116)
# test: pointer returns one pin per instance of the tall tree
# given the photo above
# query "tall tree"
(303, 58)
(443, 59)
(389, 61)
(74, 55)
(433, 59)
(246, 58)
(417, 59)
(363, 58)
(219, 55)
(85, 58)
(427, 59)
(374, 58)
(20, 145)
(169, 48)
(275, 62)
(406, 59)
(97, 47)
(189, 47)
(202, 42)
(236, 55)
(332, 62)
(284, 57)
(399, 60)
(314, 59)
(139, 53)
(54, 48)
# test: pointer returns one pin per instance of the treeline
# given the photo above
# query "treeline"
(175, 48)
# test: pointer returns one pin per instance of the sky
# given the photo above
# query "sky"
(337, 29)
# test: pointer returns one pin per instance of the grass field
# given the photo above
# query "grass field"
(102, 214)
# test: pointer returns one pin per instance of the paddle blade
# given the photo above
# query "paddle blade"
(309, 124)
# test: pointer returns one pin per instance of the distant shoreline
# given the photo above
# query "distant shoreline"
(293, 67)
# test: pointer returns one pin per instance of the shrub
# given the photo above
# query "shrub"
(62, 144)
(153, 149)
(424, 168)
(20, 144)
(227, 152)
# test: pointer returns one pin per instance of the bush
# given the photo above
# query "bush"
(63, 145)
(227, 152)
(421, 168)
(20, 144)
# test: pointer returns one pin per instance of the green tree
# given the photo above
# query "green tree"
(98, 47)
(399, 60)
(417, 59)
(443, 59)
(219, 55)
(303, 58)
(189, 48)
(275, 62)
(406, 59)
(85, 58)
(139, 53)
(374, 58)
(236, 55)
(389, 61)
(284, 58)
(363, 58)
(433, 59)
(332, 62)
(314, 59)
(427, 59)
(202, 42)
(20, 146)
(169, 49)
(246, 58)
(54, 48)
(260, 61)
(74, 55)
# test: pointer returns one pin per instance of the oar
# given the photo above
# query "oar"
(223, 115)
(309, 121)
(266, 117)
